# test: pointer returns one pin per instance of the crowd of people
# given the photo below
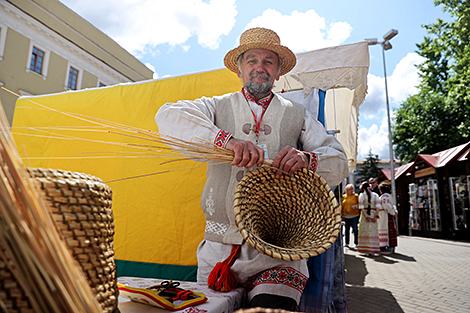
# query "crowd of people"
(372, 217)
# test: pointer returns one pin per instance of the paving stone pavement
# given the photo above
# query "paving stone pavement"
(423, 275)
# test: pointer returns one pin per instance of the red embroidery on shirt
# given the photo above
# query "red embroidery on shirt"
(221, 138)
(313, 161)
(264, 102)
(278, 275)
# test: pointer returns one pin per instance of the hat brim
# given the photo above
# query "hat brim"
(286, 56)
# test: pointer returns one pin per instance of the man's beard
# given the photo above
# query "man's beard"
(259, 90)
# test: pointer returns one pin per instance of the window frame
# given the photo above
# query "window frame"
(36, 60)
(79, 76)
(45, 61)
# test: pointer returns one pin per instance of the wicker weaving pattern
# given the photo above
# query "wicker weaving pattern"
(81, 207)
(291, 218)
(11, 293)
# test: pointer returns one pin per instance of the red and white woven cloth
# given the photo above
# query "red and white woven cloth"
(218, 302)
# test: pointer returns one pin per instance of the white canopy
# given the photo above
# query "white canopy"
(341, 72)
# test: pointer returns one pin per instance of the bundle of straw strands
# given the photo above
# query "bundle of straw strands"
(31, 247)
(142, 143)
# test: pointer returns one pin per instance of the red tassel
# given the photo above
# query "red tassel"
(221, 278)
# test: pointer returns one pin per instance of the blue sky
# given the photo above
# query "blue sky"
(186, 36)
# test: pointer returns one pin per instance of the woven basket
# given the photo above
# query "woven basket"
(11, 294)
(291, 218)
(80, 204)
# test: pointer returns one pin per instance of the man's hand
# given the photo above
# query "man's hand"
(290, 160)
(247, 154)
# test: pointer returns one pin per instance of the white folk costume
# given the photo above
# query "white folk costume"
(386, 208)
(280, 122)
(368, 230)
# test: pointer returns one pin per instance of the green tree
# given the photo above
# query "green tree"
(369, 169)
(437, 117)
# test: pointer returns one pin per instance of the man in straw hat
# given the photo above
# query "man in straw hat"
(255, 124)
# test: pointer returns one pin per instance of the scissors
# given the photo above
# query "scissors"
(170, 290)
(165, 285)
(169, 284)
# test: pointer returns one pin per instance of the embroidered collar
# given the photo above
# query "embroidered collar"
(264, 102)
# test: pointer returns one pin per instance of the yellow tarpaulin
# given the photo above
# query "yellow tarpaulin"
(158, 218)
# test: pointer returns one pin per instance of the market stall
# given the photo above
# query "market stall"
(166, 206)
(158, 221)
(433, 194)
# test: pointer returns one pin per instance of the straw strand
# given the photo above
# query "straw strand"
(156, 144)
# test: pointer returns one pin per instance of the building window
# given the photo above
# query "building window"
(37, 60)
(101, 85)
(73, 78)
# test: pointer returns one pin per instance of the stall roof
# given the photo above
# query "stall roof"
(439, 159)
(445, 157)
(431, 160)
(464, 156)
(398, 171)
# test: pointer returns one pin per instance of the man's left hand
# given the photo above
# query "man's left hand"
(290, 160)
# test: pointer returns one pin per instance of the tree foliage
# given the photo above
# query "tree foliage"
(437, 117)
(370, 168)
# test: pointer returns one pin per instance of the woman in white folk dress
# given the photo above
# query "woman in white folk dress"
(386, 208)
(369, 203)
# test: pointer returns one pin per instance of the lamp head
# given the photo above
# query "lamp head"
(390, 34)
(386, 45)
(371, 41)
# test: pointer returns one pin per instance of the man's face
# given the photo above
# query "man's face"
(256, 64)
(373, 183)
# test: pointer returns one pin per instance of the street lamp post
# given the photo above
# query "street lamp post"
(386, 45)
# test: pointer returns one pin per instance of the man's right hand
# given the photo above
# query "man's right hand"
(247, 154)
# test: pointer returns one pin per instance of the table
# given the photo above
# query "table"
(218, 302)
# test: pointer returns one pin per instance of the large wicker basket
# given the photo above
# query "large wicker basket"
(291, 218)
(81, 207)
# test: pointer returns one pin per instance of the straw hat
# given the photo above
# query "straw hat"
(257, 38)
(290, 218)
